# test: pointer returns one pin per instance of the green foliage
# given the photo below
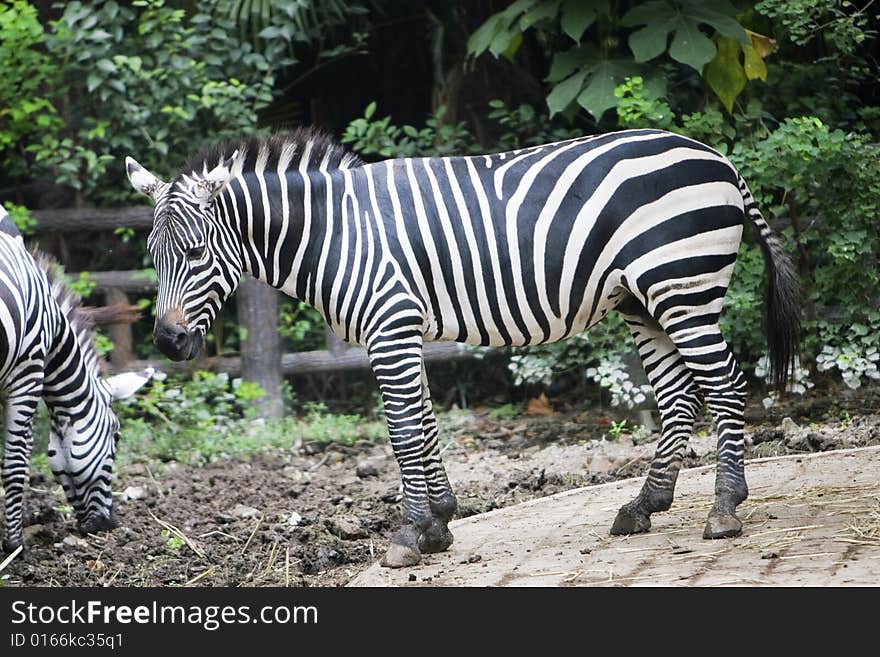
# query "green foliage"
(27, 78)
(826, 185)
(173, 542)
(639, 107)
(616, 429)
(206, 401)
(22, 218)
(106, 80)
(209, 418)
(380, 137)
(524, 126)
(587, 73)
(275, 26)
(301, 325)
(505, 412)
(82, 285)
(658, 19)
(842, 25)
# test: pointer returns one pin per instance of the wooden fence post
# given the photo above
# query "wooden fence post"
(120, 334)
(261, 348)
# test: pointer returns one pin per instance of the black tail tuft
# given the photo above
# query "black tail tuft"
(783, 299)
(782, 314)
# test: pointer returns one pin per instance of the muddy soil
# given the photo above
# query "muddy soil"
(322, 514)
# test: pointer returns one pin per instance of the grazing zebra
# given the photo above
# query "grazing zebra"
(518, 248)
(46, 352)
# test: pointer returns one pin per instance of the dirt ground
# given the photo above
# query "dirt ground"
(323, 515)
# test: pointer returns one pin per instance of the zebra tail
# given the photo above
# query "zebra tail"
(783, 321)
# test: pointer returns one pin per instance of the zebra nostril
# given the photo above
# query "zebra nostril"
(179, 337)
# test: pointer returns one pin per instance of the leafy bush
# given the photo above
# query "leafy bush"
(594, 45)
(27, 80)
(211, 417)
(379, 137)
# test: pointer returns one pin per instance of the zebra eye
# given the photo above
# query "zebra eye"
(195, 253)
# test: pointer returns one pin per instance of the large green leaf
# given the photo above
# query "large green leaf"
(497, 34)
(724, 73)
(720, 14)
(567, 62)
(578, 15)
(605, 76)
(690, 46)
(479, 41)
(565, 92)
(683, 18)
(650, 41)
(544, 10)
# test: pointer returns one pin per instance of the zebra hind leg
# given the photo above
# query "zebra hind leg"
(723, 386)
(441, 499)
(678, 401)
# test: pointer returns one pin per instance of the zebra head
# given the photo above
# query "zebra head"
(198, 263)
(82, 451)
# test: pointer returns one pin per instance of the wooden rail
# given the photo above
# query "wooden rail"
(304, 362)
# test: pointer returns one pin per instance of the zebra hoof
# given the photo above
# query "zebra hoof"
(11, 546)
(404, 550)
(435, 538)
(630, 520)
(400, 556)
(722, 525)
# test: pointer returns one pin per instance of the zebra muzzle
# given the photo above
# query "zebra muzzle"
(173, 340)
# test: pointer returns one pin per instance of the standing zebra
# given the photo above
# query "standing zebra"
(519, 248)
(46, 352)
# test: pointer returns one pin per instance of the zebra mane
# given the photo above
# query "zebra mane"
(82, 318)
(313, 143)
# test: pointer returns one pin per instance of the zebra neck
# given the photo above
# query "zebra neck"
(289, 224)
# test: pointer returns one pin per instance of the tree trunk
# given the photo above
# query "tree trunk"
(261, 347)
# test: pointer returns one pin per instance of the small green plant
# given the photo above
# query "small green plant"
(616, 429)
(505, 412)
(173, 542)
(83, 285)
(640, 435)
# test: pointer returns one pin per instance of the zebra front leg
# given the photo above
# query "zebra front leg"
(678, 401)
(20, 410)
(441, 499)
(396, 360)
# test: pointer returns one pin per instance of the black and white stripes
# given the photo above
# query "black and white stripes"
(46, 353)
(518, 248)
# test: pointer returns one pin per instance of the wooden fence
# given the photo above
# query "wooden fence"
(261, 359)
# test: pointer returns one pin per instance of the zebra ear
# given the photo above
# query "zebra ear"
(208, 186)
(126, 384)
(141, 179)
